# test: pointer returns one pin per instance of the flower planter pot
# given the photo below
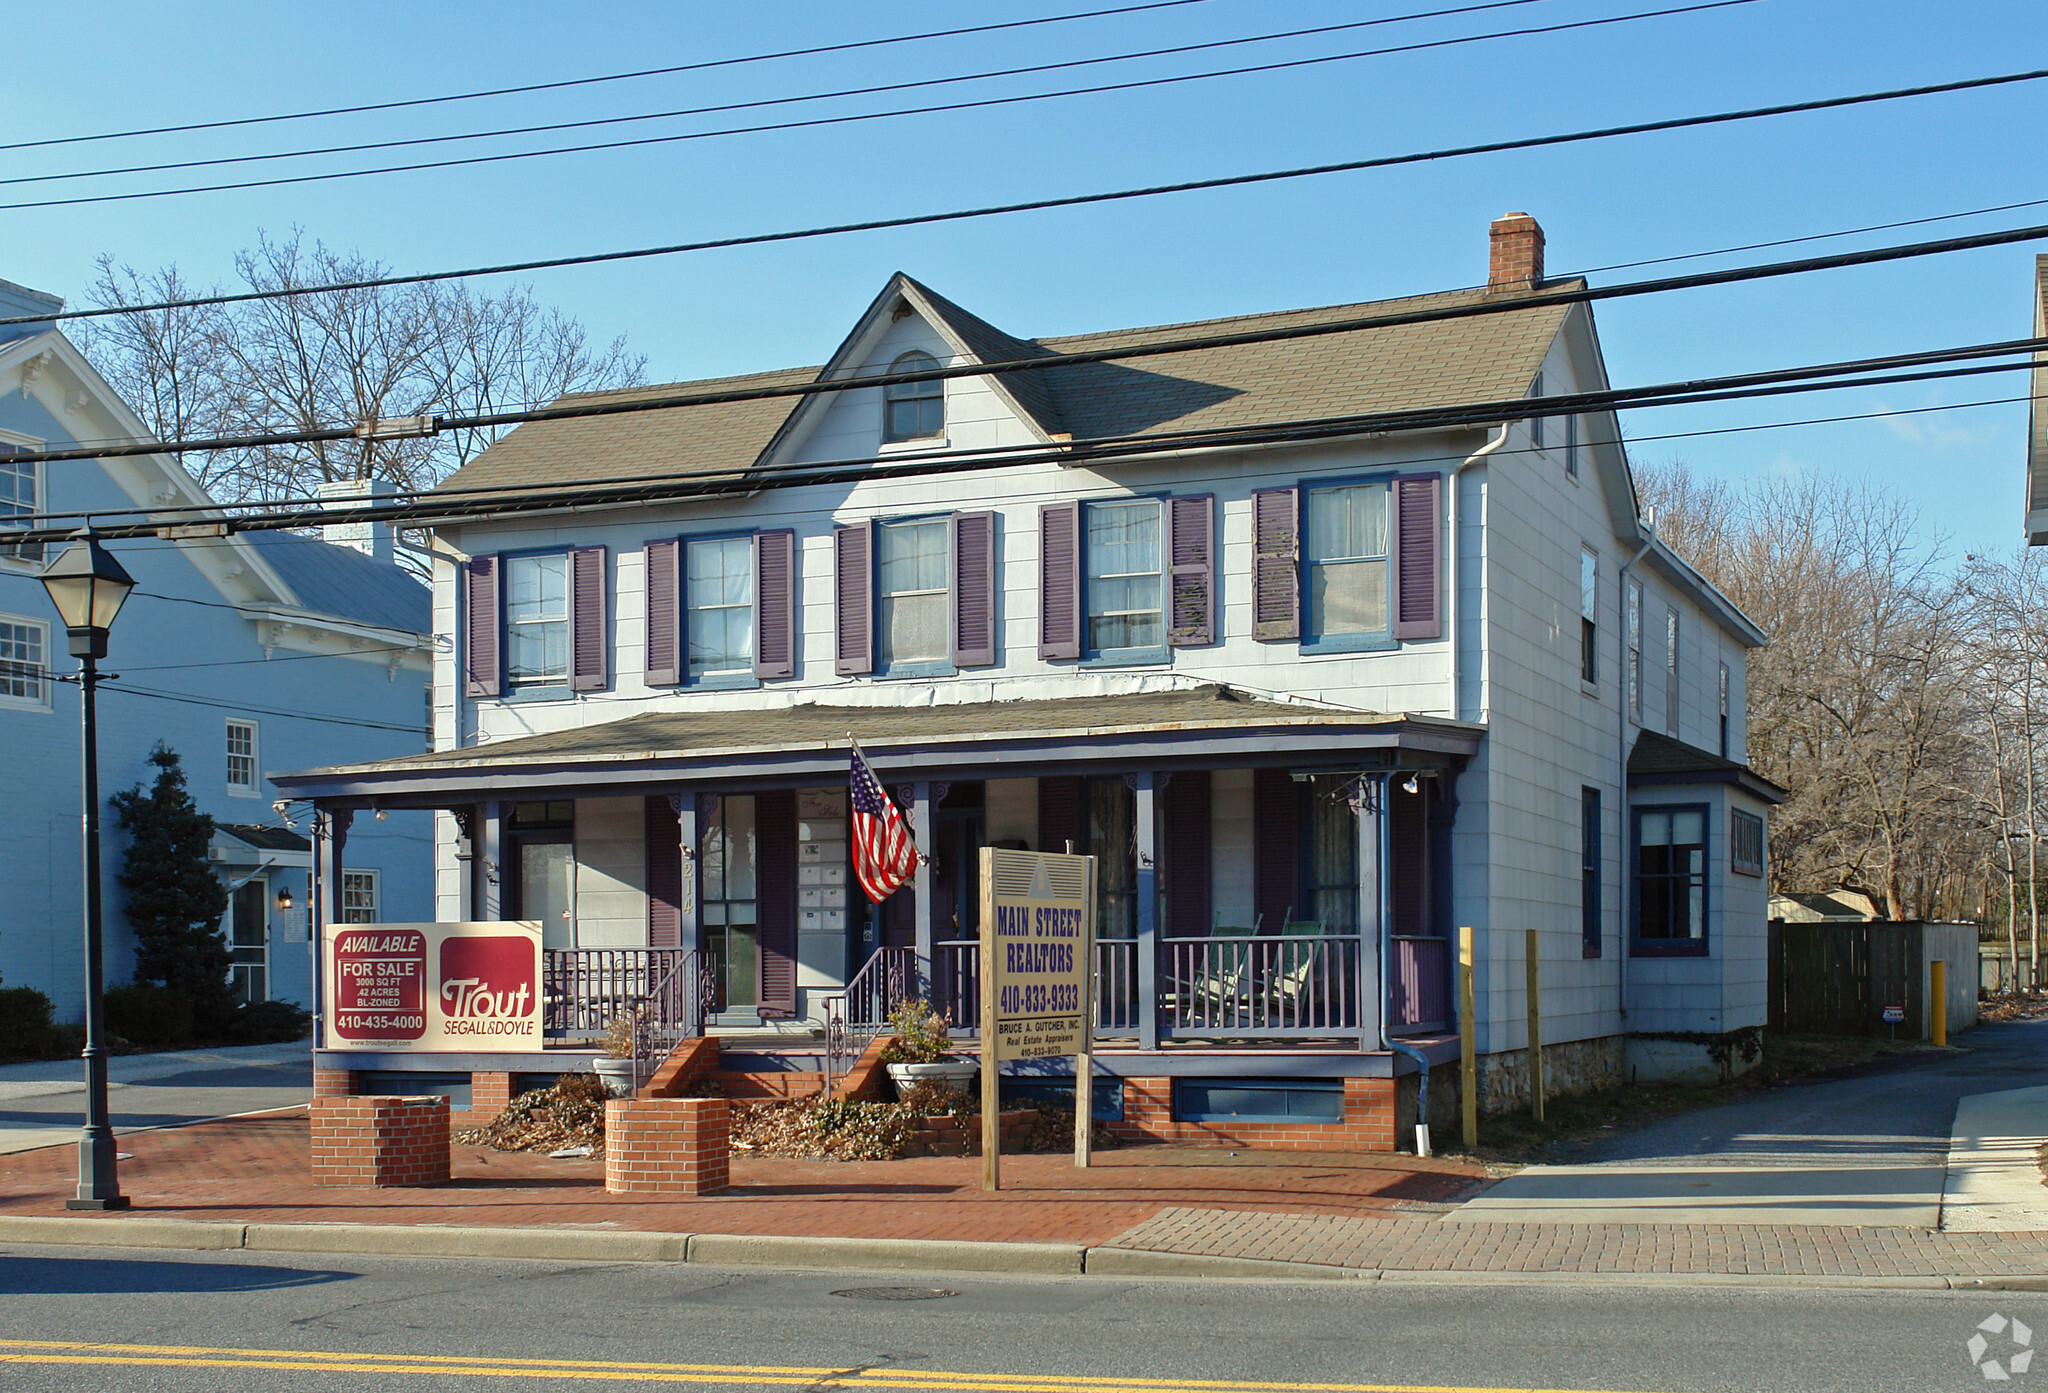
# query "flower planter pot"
(617, 1075)
(954, 1073)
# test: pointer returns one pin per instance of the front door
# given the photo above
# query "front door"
(249, 941)
(547, 889)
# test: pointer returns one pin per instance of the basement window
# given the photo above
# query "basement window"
(1258, 1100)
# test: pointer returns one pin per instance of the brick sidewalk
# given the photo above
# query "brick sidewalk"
(1412, 1245)
(257, 1170)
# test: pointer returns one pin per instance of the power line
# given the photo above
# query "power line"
(156, 695)
(1039, 205)
(984, 103)
(1515, 303)
(874, 90)
(607, 77)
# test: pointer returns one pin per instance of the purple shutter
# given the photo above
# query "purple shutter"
(664, 874)
(775, 842)
(1276, 564)
(1187, 854)
(1276, 850)
(974, 589)
(1059, 815)
(586, 619)
(1417, 606)
(1191, 551)
(664, 613)
(482, 625)
(775, 604)
(1059, 580)
(853, 634)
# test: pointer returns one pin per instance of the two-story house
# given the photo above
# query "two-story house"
(1315, 696)
(241, 653)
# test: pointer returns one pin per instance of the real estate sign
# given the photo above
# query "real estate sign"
(434, 986)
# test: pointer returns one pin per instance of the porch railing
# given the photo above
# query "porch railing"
(585, 989)
(956, 989)
(1421, 998)
(857, 1013)
(1276, 985)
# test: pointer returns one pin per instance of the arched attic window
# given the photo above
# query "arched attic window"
(913, 410)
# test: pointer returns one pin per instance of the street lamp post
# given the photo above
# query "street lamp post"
(88, 586)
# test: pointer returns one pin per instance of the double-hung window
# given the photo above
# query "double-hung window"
(24, 646)
(241, 756)
(18, 499)
(1589, 872)
(358, 897)
(537, 620)
(1125, 620)
(1633, 623)
(1346, 564)
(1745, 842)
(1671, 880)
(912, 594)
(718, 591)
(913, 410)
(1589, 616)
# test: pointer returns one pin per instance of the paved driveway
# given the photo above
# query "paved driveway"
(43, 1104)
(1869, 1149)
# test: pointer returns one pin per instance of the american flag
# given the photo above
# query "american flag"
(884, 854)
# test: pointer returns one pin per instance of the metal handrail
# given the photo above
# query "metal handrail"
(857, 1012)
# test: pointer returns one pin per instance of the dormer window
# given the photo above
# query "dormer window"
(913, 410)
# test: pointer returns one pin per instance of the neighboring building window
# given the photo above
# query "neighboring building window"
(1589, 872)
(537, 620)
(1745, 842)
(731, 900)
(358, 897)
(1634, 624)
(1571, 446)
(912, 594)
(913, 410)
(1123, 585)
(23, 644)
(1346, 560)
(241, 756)
(1724, 711)
(1671, 672)
(719, 590)
(1671, 879)
(1589, 615)
(18, 500)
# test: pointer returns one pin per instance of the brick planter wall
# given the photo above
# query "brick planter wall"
(1368, 1123)
(380, 1143)
(489, 1092)
(667, 1146)
(961, 1136)
(333, 1083)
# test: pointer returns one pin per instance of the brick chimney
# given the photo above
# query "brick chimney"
(1517, 259)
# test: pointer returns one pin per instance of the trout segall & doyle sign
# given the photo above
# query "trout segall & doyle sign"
(471, 986)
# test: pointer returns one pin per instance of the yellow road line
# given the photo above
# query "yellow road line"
(75, 1352)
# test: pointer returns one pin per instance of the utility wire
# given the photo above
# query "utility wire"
(1038, 205)
(847, 47)
(615, 404)
(848, 92)
(1135, 84)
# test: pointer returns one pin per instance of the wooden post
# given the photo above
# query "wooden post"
(1468, 1064)
(1084, 1062)
(1535, 980)
(1937, 1014)
(991, 1082)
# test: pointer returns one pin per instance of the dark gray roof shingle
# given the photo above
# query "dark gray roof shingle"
(345, 583)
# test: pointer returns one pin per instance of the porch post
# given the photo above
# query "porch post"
(1372, 908)
(490, 869)
(329, 829)
(684, 801)
(1146, 786)
(921, 828)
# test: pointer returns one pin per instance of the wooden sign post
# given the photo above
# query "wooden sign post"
(1037, 961)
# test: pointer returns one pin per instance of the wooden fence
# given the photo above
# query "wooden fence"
(1837, 979)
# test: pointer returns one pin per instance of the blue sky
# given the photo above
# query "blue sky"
(1327, 240)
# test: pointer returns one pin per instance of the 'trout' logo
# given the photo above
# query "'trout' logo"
(487, 986)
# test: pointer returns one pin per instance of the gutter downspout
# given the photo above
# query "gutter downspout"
(1621, 766)
(1457, 695)
(1387, 1041)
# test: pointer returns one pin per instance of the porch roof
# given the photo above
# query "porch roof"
(1200, 727)
(1658, 759)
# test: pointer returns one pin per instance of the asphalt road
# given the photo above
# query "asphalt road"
(43, 1104)
(157, 1320)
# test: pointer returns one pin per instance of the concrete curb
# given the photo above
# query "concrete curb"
(863, 1255)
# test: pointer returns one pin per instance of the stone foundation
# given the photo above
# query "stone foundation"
(380, 1143)
(667, 1146)
(1569, 1069)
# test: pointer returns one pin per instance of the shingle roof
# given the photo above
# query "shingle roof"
(1659, 758)
(264, 838)
(1442, 363)
(343, 582)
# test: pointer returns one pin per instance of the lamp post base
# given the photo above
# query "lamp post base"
(116, 1202)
